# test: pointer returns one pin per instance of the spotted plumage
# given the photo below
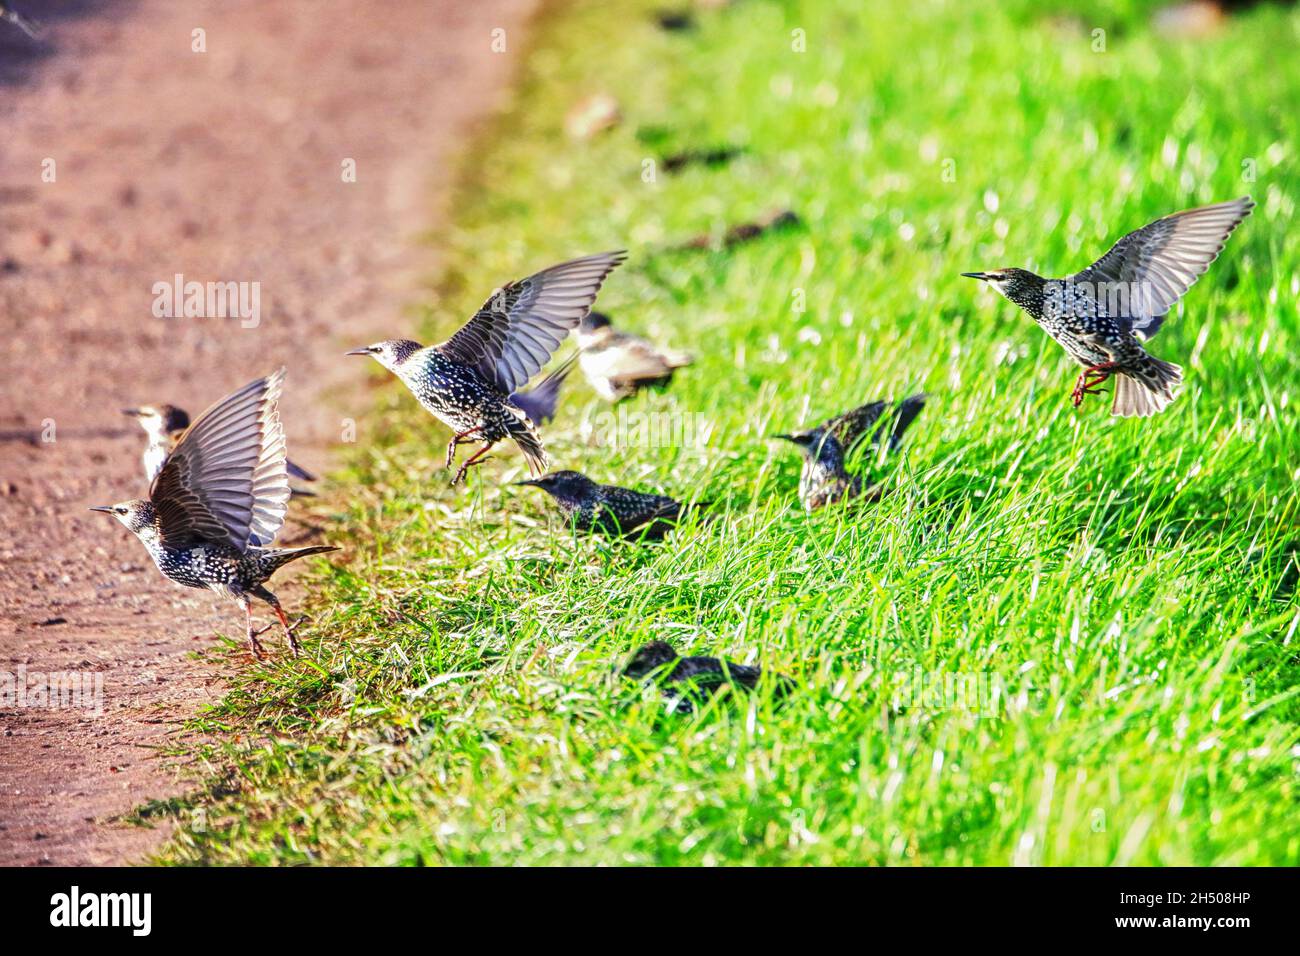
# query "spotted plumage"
(163, 426)
(467, 382)
(824, 478)
(1102, 315)
(218, 501)
(688, 681)
(609, 509)
(618, 363)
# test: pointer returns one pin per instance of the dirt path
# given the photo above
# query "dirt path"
(224, 165)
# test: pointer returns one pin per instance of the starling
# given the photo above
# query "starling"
(539, 403)
(608, 509)
(827, 447)
(218, 501)
(1102, 315)
(164, 425)
(687, 681)
(467, 381)
(618, 363)
(10, 15)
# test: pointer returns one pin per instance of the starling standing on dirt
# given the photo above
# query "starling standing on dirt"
(10, 15)
(467, 381)
(609, 509)
(164, 425)
(618, 363)
(826, 448)
(688, 681)
(1102, 315)
(219, 500)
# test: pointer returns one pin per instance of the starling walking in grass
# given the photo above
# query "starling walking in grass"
(826, 448)
(163, 426)
(1102, 315)
(218, 502)
(9, 15)
(687, 681)
(618, 363)
(466, 382)
(609, 509)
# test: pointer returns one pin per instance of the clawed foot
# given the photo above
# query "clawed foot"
(1089, 383)
(464, 469)
(255, 645)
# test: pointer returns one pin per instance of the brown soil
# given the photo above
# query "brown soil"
(221, 165)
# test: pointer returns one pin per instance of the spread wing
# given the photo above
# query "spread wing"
(520, 327)
(226, 480)
(1160, 262)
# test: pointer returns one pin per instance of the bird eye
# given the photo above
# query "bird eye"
(120, 511)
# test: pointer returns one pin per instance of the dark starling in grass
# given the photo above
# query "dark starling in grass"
(617, 363)
(10, 15)
(219, 501)
(826, 448)
(466, 382)
(609, 509)
(688, 681)
(1102, 315)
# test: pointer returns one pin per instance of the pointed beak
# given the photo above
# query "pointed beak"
(977, 275)
(133, 412)
(364, 350)
(531, 482)
(107, 509)
(782, 437)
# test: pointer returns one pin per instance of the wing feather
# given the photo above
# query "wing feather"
(226, 481)
(519, 328)
(1158, 263)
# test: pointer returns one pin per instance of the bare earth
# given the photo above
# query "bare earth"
(224, 165)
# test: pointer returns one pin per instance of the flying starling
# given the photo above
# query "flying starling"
(618, 363)
(10, 15)
(826, 448)
(216, 505)
(609, 509)
(1102, 315)
(164, 424)
(687, 681)
(467, 381)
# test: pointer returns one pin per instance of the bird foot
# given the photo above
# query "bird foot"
(291, 631)
(254, 644)
(1089, 383)
(464, 469)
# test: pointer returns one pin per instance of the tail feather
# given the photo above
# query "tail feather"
(522, 432)
(282, 556)
(1147, 389)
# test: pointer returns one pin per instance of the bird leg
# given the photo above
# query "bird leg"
(459, 439)
(475, 459)
(290, 630)
(253, 643)
(1090, 380)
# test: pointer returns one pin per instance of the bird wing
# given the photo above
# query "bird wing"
(852, 425)
(1158, 263)
(522, 324)
(226, 480)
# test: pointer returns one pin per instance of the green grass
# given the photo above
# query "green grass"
(1112, 601)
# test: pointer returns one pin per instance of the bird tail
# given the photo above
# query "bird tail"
(521, 430)
(282, 556)
(908, 409)
(1146, 389)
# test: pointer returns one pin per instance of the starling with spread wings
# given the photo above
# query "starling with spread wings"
(467, 381)
(219, 501)
(826, 448)
(1102, 315)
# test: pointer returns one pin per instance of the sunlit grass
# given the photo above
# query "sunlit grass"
(1064, 639)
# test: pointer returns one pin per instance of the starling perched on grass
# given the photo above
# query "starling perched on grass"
(826, 448)
(10, 15)
(609, 509)
(618, 363)
(1102, 315)
(466, 382)
(164, 425)
(219, 501)
(687, 681)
